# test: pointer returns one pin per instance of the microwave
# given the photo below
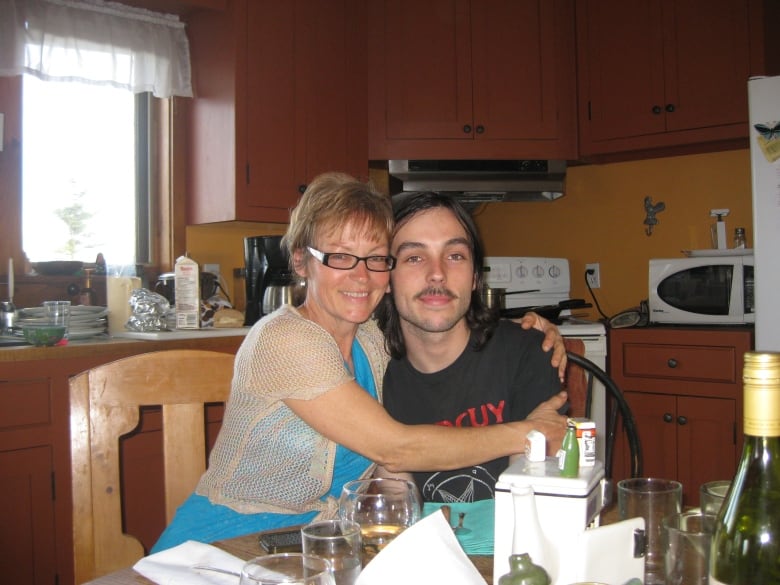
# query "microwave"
(715, 290)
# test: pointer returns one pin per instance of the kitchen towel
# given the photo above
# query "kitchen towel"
(478, 524)
(426, 552)
(177, 565)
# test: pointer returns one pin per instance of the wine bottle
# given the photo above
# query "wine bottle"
(746, 544)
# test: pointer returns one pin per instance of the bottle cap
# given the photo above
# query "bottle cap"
(761, 375)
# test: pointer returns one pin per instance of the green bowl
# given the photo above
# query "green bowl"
(43, 334)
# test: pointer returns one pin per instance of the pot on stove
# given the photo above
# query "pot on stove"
(495, 298)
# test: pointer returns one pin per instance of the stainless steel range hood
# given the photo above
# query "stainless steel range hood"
(484, 181)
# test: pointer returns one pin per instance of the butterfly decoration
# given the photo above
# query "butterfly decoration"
(769, 131)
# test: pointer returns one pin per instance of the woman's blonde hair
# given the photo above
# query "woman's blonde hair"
(331, 201)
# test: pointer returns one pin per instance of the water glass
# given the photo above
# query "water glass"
(288, 568)
(58, 313)
(652, 499)
(712, 494)
(382, 507)
(686, 541)
(337, 541)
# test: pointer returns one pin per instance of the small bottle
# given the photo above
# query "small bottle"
(569, 453)
(523, 571)
(746, 542)
(739, 238)
(87, 295)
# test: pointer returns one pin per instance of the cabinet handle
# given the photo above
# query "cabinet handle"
(682, 420)
(669, 108)
(467, 129)
(657, 110)
(668, 417)
(672, 363)
(301, 189)
(480, 129)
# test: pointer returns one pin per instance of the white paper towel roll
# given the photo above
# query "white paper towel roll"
(118, 290)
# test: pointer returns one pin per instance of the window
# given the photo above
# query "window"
(85, 183)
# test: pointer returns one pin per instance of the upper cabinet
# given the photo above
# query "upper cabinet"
(280, 96)
(471, 79)
(666, 73)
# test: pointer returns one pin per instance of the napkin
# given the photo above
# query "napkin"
(174, 566)
(426, 552)
(479, 521)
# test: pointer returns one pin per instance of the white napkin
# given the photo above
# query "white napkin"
(426, 552)
(174, 566)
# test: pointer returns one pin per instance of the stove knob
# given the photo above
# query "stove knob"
(538, 271)
(521, 272)
(554, 271)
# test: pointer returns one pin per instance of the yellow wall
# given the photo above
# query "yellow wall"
(600, 219)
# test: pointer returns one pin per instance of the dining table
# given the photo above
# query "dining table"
(247, 547)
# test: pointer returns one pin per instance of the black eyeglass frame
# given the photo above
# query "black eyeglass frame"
(324, 258)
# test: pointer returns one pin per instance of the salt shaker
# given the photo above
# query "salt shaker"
(739, 238)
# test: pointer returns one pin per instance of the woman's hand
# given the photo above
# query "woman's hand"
(552, 339)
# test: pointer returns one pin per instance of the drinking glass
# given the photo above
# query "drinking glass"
(712, 494)
(653, 499)
(337, 541)
(382, 507)
(288, 568)
(58, 313)
(686, 542)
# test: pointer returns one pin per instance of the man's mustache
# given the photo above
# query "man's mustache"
(434, 291)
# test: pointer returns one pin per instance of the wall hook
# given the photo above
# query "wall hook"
(650, 210)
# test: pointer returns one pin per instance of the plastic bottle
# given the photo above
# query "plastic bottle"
(569, 454)
(746, 543)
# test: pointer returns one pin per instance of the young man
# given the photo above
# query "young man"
(454, 362)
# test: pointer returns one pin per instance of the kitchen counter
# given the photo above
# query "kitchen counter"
(111, 346)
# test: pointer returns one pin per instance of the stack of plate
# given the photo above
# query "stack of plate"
(85, 321)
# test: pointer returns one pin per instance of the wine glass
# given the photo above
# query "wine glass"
(382, 507)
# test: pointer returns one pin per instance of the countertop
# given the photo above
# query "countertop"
(105, 345)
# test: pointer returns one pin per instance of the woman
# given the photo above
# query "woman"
(304, 414)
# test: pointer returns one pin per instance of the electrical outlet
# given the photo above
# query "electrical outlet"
(213, 268)
(594, 279)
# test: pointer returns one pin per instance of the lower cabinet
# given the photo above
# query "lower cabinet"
(35, 484)
(684, 387)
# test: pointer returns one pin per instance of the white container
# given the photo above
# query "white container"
(118, 291)
(187, 291)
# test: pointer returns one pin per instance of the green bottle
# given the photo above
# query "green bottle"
(569, 455)
(522, 571)
(746, 544)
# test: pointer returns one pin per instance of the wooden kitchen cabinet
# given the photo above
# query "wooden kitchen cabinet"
(665, 73)
(684, 387)
(280, 96)
(35, 480)
(471, 79)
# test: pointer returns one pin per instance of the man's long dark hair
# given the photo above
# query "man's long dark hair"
(481, 320)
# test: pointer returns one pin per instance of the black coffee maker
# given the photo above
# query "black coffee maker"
(269, 281)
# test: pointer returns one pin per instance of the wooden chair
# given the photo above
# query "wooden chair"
(104, 405)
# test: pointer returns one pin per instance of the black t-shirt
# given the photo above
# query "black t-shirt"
(503, 382)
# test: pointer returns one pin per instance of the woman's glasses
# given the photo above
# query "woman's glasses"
(341, 261)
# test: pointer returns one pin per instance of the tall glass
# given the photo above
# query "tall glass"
(383, 508)
(287, 568)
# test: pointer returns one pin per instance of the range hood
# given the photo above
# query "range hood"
(484, 181)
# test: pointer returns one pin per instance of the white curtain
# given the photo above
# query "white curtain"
(94, 41)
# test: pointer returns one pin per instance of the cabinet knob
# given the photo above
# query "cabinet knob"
(682, 420)
(301, 189)
(657, 110)
(467, 129)
(480, 129)
(672, 363)
(669, 108)
(668, 417)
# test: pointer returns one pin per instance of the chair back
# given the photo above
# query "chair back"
(580, 375)
(105, 403)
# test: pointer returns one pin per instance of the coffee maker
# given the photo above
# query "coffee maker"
(269, 280)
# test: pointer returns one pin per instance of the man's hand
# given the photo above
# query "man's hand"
(552, 339)
(546, 420)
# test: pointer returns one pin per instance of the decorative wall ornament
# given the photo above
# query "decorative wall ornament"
(650, 210)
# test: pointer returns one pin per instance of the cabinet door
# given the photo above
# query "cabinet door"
(27, 509)
(426, 57)
(706, 443)
(621, 51)
(655, 415)
(708, 64)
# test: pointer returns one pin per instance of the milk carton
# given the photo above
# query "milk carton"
(187, 291)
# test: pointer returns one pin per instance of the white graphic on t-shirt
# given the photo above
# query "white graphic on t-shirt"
(476, 484)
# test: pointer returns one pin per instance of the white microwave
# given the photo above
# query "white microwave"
(715, 290)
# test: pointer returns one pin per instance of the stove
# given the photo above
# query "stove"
(548, 281)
